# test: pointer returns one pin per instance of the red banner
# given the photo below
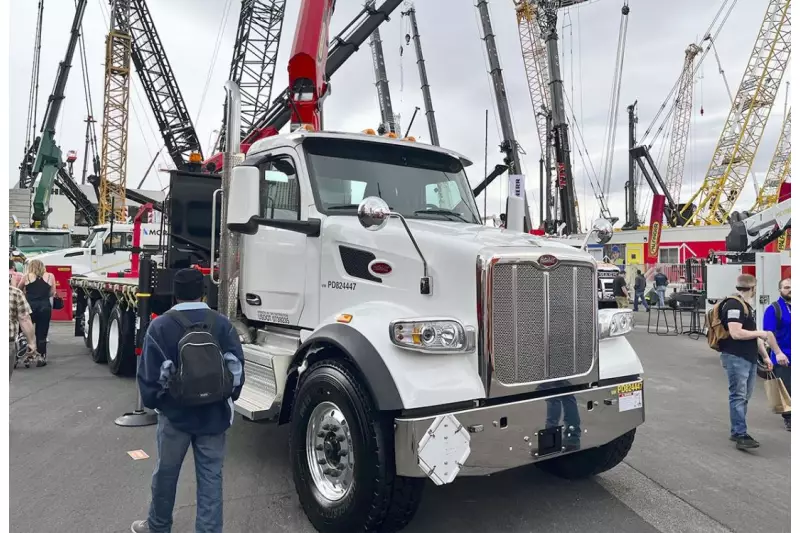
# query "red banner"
(62, 275)
(654, 235)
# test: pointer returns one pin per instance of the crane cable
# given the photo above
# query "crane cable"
(670, 97)
(33, 96)
(613, 108)
(583, 152)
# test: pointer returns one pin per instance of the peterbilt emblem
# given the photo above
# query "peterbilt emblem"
(548, 261)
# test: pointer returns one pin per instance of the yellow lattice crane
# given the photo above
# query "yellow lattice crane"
(747, 118)
(116, 99)
(780, 168)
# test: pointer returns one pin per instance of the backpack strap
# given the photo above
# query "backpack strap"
(210, 319)
(776, 305)
(180, 318)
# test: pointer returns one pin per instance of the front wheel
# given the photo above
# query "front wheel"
(342, 453)
(590, 462)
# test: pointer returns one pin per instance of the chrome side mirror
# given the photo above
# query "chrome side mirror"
(373, 213)
(603, 230)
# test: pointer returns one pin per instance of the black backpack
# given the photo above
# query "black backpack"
(202, 376)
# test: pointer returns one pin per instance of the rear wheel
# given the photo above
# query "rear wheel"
(119, 343)
(342, 453)
(590, 462)
(97, 331)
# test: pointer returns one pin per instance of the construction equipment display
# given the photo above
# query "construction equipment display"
(333, 294)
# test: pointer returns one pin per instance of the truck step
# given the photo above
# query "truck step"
(259, 398)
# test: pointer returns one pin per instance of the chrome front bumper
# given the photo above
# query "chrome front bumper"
(485, 440)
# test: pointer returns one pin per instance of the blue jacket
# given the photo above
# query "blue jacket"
(782, 331)
(160, 358)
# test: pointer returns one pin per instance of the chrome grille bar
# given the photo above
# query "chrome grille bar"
(541, 323)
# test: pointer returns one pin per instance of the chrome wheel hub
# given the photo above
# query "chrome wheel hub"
(329, 451)
(86, 322)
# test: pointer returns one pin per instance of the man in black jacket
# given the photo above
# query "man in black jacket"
(639, 286)
(202, 426)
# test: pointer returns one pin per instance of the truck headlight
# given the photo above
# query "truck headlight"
(614, 322)
(435, 335)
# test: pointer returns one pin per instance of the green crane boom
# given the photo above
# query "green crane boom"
(48, 155)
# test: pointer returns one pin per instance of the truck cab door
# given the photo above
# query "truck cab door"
(274, 263)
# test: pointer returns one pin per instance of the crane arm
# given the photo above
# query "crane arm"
(756, 231)
(255, 54)
(48, 154)
(679, 138)
(339, 50)
(160, 85)
(780, 168)
(747, 118)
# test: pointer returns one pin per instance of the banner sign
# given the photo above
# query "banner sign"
(654, 235)
(516, 185)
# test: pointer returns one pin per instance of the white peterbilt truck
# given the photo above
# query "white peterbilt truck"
(398, 337)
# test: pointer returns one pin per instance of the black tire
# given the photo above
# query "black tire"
(86, 317)
(123, 362)
(378, 499)
(588, 463)
(97, 331)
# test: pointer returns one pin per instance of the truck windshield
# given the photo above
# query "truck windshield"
(94, 234)
(52, 241)
(415, 182)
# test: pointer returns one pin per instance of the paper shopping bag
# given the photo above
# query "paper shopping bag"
(777, 395)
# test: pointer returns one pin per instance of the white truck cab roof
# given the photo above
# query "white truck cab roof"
(290, 140)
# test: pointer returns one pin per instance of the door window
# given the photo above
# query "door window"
(280, 190)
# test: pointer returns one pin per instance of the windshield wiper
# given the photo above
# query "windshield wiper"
(445, 212)
(345, 206)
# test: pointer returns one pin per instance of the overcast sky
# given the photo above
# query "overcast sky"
(658, 34)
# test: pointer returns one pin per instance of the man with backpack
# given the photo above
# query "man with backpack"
(778, 320)
(191, 371)
(732, 331)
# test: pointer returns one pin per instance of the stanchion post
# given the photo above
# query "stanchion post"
(147, 269)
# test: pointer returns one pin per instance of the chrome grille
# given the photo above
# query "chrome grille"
(542, 322)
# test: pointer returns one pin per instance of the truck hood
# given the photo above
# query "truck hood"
(440, 238)
(451, 250)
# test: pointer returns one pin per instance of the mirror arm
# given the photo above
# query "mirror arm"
(414, 242)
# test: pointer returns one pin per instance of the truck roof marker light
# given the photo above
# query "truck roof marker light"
(391, 135)
(410, 139)
(344, 318)
(307, 127)
(368, 131)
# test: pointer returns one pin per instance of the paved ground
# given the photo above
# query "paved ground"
(70, 471)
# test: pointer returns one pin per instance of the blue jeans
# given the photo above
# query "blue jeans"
(661, 291)
(209, 451)
(741, 380)
(639, 295)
